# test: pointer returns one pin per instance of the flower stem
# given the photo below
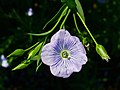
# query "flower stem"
(59, 19)
(76, 24)
(87, 28)
(65, 19)
(48, 32)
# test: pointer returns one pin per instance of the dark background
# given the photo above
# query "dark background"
(103, 20)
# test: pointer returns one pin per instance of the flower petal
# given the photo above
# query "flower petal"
(73, 44)
(78, 58)
(61, 69)
(75, 67)
(49, 55)
(60, 35)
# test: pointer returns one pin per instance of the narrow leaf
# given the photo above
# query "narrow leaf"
(79, 9)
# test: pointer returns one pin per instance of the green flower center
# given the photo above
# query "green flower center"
(65, 54)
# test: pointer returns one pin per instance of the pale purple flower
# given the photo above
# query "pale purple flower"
(64, 54)
(4, 61)
(30, 12)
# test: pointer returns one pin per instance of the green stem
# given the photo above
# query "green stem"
(59, 19)
(31, 47)
(38, 66)
(46, 33)
(76, 24)
(87, 28)
(65, 19)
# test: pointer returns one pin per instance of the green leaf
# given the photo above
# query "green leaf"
(71, 4)
(79, 9)
(22, 65)
(56, 16)
(63, 1)
(17, 52)
(35, 50)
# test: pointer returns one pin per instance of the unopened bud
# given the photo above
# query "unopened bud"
(102, 52)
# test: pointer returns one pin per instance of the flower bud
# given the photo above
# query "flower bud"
(102, 52)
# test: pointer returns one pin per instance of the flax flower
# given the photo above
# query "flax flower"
(64, 54)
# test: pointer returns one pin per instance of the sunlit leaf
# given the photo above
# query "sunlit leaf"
(79, 9)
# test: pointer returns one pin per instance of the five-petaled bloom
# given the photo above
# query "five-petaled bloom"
(64, 54)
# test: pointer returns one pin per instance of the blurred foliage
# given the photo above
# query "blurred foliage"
(102, 18)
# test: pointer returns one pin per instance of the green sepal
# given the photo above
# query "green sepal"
(36, 57)
(17, 52)
(79, 9)
(35, 51)
(23, 64)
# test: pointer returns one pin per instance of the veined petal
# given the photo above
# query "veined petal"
(73, 44)
(75, 67)
(61, 69)
(49, 55)
(60, 35)
(78, 58)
